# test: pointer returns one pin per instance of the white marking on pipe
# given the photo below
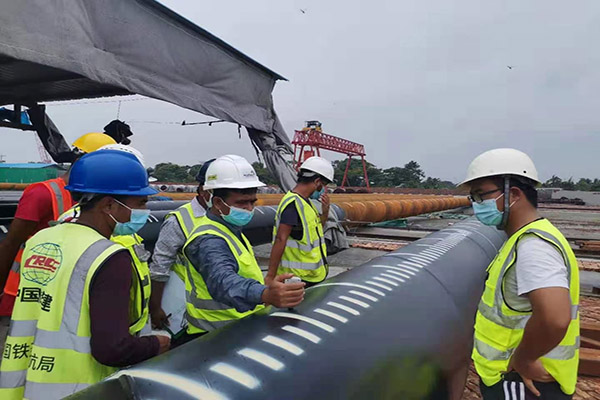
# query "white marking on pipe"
(407, 267)
(303, 318)
(236, 375)
(301, 332)
(283, 344)
(370, 289)
(332, 315)
(393, 277)
(259, 210)
(188, 386)
(366, 296)
(349, 310)
(261, 358)
(419, 260)
(355, 301)
(399, 273)
(396, 268)
(3, 229)
(389, 289)
(414, 264)
(385, 281)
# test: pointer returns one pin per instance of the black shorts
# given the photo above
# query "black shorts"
(511, 387)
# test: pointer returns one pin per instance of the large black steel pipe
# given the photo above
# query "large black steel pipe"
(394, 328)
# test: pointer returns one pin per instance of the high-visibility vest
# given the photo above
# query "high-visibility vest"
(203, 313)
(61, 201)
(47, 353)
(499, 329)
(307, 257)
(188, 222)
(139, 310)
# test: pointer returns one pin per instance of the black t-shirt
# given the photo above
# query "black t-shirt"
(290, 216)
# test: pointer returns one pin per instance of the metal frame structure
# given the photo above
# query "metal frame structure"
(313, 138)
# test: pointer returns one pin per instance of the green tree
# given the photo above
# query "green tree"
(169, 172)
(555, 182)
(409, 176)
(264, 174)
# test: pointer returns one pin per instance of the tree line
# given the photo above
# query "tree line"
(411, 175)
(585, 184)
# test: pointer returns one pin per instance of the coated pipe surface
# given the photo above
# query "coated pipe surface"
(394, 328)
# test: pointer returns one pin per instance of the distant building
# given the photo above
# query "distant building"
(29, 172)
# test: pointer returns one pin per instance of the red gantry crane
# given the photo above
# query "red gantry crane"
(311, 140)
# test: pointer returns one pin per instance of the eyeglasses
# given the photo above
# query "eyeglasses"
(478, 197)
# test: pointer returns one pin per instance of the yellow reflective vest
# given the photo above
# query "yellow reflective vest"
(203, 313)
(47, 353)
(307, 257)
(188, 222)
(140, 287)
(499, 329)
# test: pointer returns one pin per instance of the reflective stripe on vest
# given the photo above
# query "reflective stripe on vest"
(203, 313)
(47, 353)
(188, 223)
(305, 258)
(499, 329)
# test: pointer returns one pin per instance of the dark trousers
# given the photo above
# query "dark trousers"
(513, 388)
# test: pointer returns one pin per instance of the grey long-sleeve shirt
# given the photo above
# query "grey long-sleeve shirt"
(212, 258)
(170, 242)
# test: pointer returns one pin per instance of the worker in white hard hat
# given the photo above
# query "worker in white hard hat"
(526, 341)
(298, 243)
(223, 281)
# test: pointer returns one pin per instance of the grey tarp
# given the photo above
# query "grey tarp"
(131, 46)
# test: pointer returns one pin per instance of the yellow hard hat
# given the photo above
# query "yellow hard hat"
(92, 141)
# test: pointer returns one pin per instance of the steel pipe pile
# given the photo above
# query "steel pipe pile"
(394, 328)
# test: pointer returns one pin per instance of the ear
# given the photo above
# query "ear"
(107, 204)
(515, 194)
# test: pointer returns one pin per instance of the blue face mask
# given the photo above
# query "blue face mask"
(316, 195)
(238, 216)
(136, 222)
(487, 212)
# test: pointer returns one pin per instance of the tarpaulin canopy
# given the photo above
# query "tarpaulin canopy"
(73, 49)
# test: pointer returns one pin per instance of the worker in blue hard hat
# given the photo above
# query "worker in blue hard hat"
(168, 252)
(71, 320)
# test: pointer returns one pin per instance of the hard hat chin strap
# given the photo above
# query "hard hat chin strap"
(506, 212)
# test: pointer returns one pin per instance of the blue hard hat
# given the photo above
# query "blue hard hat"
(201, 176)
(109, 172)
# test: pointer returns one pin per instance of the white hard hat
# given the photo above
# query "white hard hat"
(231, 172)
(500, 162)
(126, 149)
(320, 166)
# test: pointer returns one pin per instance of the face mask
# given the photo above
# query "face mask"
(237, 216)
(316, 195)
(136, 221)
(487, 212)
(209, 201)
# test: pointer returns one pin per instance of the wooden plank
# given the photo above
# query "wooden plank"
(589, 362)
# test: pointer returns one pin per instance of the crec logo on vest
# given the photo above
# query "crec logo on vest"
(41, 266)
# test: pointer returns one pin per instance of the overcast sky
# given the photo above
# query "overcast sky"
(416, 80)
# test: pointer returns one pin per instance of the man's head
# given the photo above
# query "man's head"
(233, 184)
(316, 172)
(113, 189)
(204, 197)
(501, 182)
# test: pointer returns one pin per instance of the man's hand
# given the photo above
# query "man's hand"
(530, 371)
(282, 294)
(269, 279)
(159, 318)
(164, 343)
(325, 203)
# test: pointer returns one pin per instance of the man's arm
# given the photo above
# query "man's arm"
(325, 203)
(110, 341)
(170, 241)
(283, 233)
(20, 230)
(548, 324)
(212, 258)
